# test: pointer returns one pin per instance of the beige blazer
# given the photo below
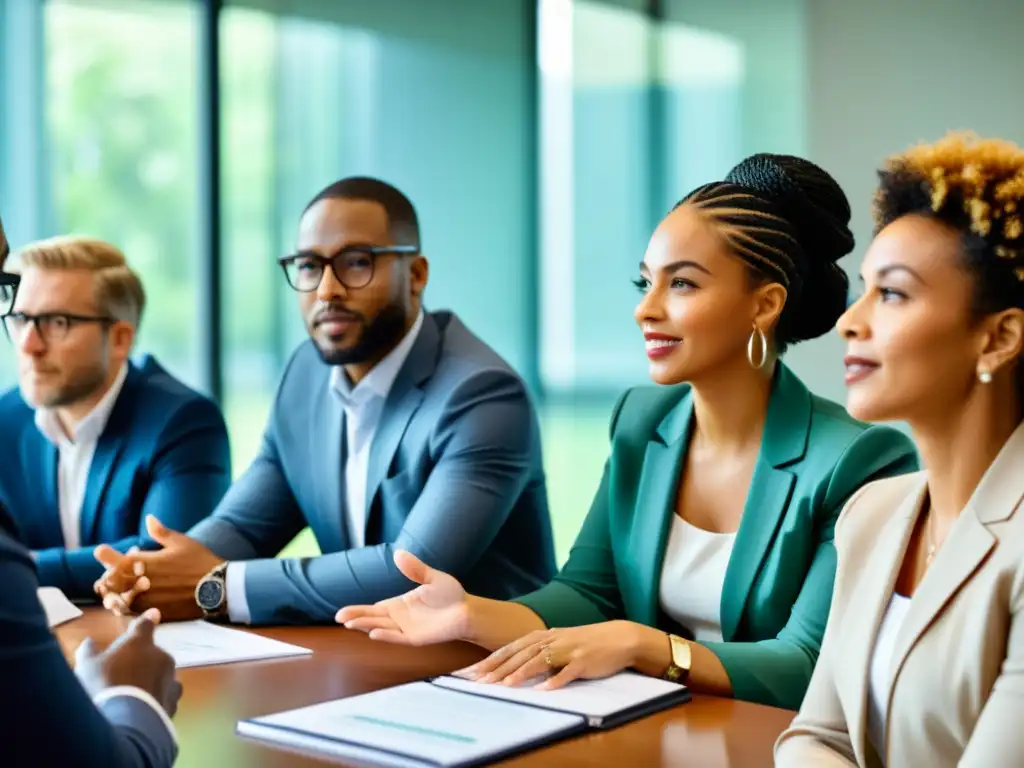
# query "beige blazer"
(957, 696)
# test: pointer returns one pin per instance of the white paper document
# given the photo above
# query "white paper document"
(595, 699)
(57, 607)
(413, 725)
(200, 643)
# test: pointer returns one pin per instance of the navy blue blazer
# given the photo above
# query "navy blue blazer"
(46, 717)
(164, 452)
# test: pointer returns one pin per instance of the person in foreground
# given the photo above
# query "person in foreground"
(923, 658)
(115, 714)
(102, 442)
(392, 428)
(714, 516)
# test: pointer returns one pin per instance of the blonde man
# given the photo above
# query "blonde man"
(103, 442)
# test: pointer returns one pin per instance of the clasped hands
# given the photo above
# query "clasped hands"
(439, 610)
(165, 579)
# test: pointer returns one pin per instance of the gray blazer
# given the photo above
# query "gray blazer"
(455, 477)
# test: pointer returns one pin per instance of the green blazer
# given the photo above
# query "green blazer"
(778, 584)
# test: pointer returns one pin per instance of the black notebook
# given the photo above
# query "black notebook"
(450, 722)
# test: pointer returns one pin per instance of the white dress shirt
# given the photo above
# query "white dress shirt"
(363, 405)
(74, 457)
(690, 591)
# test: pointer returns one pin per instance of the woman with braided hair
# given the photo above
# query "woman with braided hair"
(923, 658)
(707, 554)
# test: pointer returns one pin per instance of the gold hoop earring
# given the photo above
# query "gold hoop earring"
(984, 376)
(757, 332)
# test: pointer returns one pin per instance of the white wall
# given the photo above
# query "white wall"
(885, 74)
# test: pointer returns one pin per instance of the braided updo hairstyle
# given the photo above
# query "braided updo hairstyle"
(975, 186)
(789, 221)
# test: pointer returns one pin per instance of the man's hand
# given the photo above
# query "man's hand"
(434, 612)
(132, 659)
(165, 579)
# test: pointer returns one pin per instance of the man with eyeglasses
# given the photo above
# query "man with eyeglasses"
(113, 710)
(104, 442)
(393, 428)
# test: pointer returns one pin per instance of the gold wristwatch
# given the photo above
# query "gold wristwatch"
(679, 668)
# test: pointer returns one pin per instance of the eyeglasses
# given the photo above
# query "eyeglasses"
(51, 326)
(8, 291)
(352, 266)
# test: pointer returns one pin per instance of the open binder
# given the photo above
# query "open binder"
(449, 722)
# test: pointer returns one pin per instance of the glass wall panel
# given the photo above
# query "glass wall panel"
(23, 193)
(596, 215)
(120, 117)
(394, 90)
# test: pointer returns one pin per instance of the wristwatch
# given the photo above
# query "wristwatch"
(679, 668)
(212, 593)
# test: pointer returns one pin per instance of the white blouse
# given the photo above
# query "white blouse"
(690, 591)
(880, 670)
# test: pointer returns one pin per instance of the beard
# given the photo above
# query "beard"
(83, 384)
(378, 337)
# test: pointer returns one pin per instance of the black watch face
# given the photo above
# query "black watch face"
(210, 595)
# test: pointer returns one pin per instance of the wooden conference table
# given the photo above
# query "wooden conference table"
(705, 732)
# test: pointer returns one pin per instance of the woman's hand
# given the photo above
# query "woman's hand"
(435, 612)
(589, 652)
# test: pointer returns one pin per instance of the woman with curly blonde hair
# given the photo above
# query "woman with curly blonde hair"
(922, 663)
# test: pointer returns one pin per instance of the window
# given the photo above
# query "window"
(120, 117)
(442, 111)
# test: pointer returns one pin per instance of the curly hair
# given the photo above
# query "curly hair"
(975, 186)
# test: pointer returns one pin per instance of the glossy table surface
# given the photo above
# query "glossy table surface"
(704, 732)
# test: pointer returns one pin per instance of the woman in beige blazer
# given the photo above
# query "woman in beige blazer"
(922, 663)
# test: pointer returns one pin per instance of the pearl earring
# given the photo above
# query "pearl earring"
(985, 377)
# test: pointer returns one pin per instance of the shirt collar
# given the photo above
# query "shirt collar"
(91, 427)
(380, 379)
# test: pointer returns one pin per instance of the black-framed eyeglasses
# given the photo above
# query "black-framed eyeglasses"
(353, 266)
(51, 326)
(8, 290)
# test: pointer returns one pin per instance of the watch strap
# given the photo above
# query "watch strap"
(679, 667)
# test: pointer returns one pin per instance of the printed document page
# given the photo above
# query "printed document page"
(591, 698)
(200, 643)
(413, 724)
(57, 607)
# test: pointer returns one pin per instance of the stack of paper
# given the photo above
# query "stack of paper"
(199, 643)
(619, 697)
(57, 607)
(417, 724)
(454, 723)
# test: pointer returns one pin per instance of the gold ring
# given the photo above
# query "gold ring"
(547, 655)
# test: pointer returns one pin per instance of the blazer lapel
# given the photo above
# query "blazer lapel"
(328, 447)
(949, 571)
(655, 504)
(784, 441)
(402, 402)
(874, 588)
(50, 482)
(108, 450)
(997, 496)
(43, 527)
